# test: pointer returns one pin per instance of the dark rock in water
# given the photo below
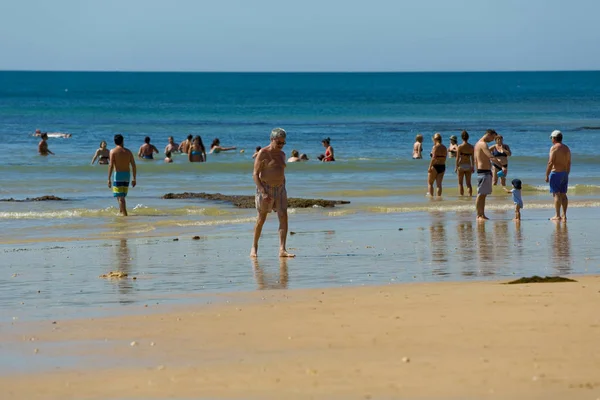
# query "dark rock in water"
(248, 201)
(42, 198)
(539, 279)
(196, 238)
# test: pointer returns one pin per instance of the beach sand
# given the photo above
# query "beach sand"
(423, 340)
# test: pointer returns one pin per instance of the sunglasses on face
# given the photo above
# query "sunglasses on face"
(279, 143)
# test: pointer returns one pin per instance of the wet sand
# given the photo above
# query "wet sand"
(424, 340)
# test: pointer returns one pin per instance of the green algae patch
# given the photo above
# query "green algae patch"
(539, 279)
(248, 201)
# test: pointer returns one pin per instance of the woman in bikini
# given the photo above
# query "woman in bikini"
(197, 151)
(502, 152)
(328, 156)
(437, 165)
(102, 154)
(418, 147)
(465, 164)
(453, 148)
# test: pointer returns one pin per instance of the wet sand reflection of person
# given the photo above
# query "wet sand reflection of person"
(519, 241)
(561, 248)
(486, 248)
(502, 251)
(466, 246)
(123, 264)
(263, 280)
(439, 243)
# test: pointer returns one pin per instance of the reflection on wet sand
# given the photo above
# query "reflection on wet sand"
(123, 264)
(519, 239)
(438, 244)
(501, 242)
(466, 246)
(267, 281)
(486, 249)
(561, 248)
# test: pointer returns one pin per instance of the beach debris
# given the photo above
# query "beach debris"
(15, 275)
(249, 201)
(134, 343)
(36, 351)
(176, 239)
(292, 233)
(115, 274)
(405, 359)
(539, 279)
(151, 344)
(195, 237)
(400, 229)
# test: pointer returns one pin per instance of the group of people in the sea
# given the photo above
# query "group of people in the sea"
(491, 164)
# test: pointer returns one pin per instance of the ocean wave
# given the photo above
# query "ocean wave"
(138, 210)
(217, 222)
(453, 207)
(574, 189)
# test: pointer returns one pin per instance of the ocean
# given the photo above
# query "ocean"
(371, 118)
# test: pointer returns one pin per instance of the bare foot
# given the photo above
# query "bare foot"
(482, 218)
(555, 219)
(253, 252)
(564, 218)
(517, 219)
(284, 253)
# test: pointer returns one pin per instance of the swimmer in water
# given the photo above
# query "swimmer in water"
(102, 154)
(43, 149)
(295, 156)
(216, 147)
(147, 150)
(256, 152)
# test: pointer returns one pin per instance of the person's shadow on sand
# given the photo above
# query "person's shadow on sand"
(267, 281)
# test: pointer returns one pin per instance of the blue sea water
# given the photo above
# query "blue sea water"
(371, 118)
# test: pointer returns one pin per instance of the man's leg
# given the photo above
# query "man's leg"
(260, 221)
(122, 206)
(565, 204)
(283, 230)
(557, 205)
(480, 206)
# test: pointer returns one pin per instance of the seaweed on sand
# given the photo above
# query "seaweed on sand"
(539, 279)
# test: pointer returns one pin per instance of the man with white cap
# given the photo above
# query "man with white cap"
(557, 174)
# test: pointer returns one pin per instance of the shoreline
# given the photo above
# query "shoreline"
(417, 340)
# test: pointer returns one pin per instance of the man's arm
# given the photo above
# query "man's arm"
(133, 168)
(492, 158)
(111, 164)
(550, 163)
(140, 152)
(154, 149)
(258, 165)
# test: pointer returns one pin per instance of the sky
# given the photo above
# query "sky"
(299, 35)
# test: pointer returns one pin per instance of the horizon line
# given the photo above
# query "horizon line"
(298, 72)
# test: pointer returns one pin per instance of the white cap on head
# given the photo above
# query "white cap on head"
(555, 133)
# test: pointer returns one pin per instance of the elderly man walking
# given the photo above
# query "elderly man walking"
(269, 177)
(484, 160)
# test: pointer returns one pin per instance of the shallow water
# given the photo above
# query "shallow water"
(61, 279)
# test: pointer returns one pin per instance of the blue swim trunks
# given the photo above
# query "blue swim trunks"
(559, 182)
(120, 183)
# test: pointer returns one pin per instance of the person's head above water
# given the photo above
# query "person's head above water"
(190, 137)
(44, 135)
(516, 183)
(119, 139)
(303, 157)
(257, 148)
(453, 139)
(171, 140)
(215, 142)
(437, 138)
(326, 141)
(419, 138)
(464, 135)
(295, 153)
(103, 144)
(147, 140)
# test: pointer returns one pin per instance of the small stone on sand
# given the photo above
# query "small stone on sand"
(134, 343)
(405, 359)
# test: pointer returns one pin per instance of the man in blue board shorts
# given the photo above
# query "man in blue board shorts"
(119, 174)
(557, 174)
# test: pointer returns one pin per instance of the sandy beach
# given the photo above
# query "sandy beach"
(424, 340)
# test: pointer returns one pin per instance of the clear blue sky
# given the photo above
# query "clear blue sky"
(299, 35)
